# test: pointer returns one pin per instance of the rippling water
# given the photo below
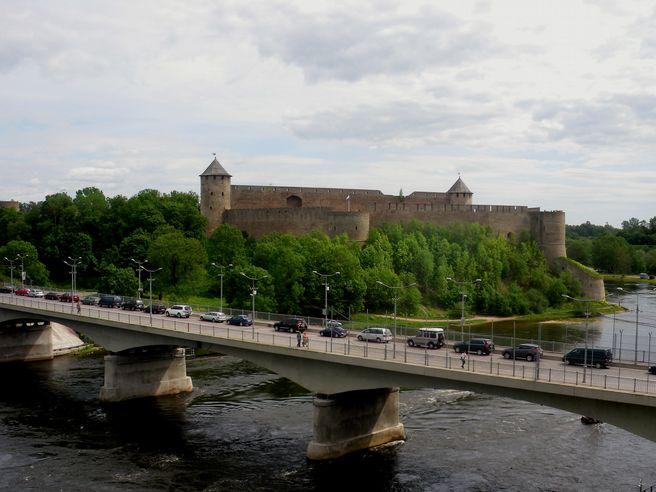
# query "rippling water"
(246, 429)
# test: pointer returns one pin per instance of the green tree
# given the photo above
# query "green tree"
(118, 281)
(182, 262)
(35, 271)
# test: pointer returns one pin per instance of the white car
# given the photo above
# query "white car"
(375, 334)
(179, 311)
(36, 293)
(215, 316)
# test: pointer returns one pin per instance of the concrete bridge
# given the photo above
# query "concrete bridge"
(356, 384)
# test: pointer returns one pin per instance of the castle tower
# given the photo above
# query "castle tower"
(214, 194)
(459, 194)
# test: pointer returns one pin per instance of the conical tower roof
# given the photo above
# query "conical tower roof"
(215, 169)
(459, 187)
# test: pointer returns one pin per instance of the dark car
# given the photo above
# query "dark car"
(593, 357)
(292, 325)
(110, 301)
(240, 320)
(333, 331)
(67, 297)
(6, 289)
(133, 305)
(480, 346)
(91, 300)
(53, 296)
(652, 369)
(157, 309)
(528, 351)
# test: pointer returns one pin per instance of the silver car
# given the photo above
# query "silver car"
(375, 334)
(214, 316)
(36, 293)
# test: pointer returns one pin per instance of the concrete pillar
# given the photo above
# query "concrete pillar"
(148, 372)
(347, 422)
(25, 341)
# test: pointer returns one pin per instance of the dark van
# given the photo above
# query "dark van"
(110, 301)
(595, 357)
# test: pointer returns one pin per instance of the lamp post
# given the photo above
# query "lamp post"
(326, 288)
(11, 273)
(150, 289)
(222, 270)
(140, 264)
(395, 289)
(461, 284)
(619, 302)
(74, 262)
(22, 258)
(587, 315)
(253, 294)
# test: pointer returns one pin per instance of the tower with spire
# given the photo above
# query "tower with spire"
(214, 194)
(459, 193)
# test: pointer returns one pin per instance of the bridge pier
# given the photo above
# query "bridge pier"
(355, 420)
(25, 341)
(144, 372)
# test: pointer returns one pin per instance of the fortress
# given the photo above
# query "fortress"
(259, 210)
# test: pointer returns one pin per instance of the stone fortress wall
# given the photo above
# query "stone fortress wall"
(10, 204)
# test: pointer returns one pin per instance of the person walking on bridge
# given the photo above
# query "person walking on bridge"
(463, 359)
(298, 338)
(79, 308)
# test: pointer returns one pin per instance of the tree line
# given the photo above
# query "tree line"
(167, 230)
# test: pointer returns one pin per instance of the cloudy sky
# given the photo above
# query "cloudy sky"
(539, 103)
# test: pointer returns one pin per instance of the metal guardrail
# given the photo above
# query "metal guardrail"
(595, 378)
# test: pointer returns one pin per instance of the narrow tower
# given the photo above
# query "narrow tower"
(214, 194)
(459, 194)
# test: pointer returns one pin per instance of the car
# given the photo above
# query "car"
(53, 296)
(652, 369)
(110, 301)
(480, 346)
(7, 289)
(36, 293)
(179, 311)
(335, 323)
(597, 357)
(292, 325)
(214, 316)
(22, 291)
(91, 300)
(528, 351)
(157, 308)
(240, 320)
(333, 331)
(432, 338)
(133, 305)
(644, 276)
(375, 334)
(67, 297)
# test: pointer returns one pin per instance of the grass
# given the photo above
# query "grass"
(618, 278)
(582, 267)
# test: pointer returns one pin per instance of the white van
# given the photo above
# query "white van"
(375, 334)
(179, 311)
(433, 338)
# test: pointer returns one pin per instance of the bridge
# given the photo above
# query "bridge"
(356, 402)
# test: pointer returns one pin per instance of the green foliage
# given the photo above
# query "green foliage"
(182, 262)
(120, 281)
(35, 271)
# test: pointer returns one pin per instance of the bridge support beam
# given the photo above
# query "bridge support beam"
(352, 421)
(25, 341)
(144, 373)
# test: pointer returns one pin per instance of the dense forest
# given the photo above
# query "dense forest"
(107, 233)
(629, 249)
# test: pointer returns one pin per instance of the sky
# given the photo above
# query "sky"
(549, 104)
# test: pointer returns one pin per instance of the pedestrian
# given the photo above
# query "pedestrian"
(79, 308)
(298, 338)
(306, 340)
(463, 359)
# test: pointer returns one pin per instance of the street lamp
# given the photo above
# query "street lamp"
(395, 289)
(150, 284)
(462, 301)
(11, 272)
(21, 258)
(619, 302)
(74, 262)
(140, 264)
(222, 270)
(587, 315)
(325, 277)
(253, 294)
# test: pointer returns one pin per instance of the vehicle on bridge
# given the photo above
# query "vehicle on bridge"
(433, 338)
(53, 296)
(36, 293)
(333, 331)
(480, 346)
(110, 301)
(91, 300)
(528, 351)
(597, 357)
(214, 316)
(157, 308)
(240, 320)
(652, 369)
(133, 305)
(68, 297)
(22, 291)
(7, 289)
(292, 325)
(179, 311)
(375, 334)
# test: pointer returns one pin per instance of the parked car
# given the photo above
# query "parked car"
(157, 309)
(333, 331)
(597, 357)
(240, 320)
(110, 301)
(644, 276)
(480, 346)
(292, 325)
(36, 293)
(91, 300)
(133, 305)
(433, 338)
(53, 296)
(179, 311)
(67, 297)
(652, 369)
(6, 289)
(214, 316)
(375, 334)
(333, 322)
(528, 351)
(22, 292)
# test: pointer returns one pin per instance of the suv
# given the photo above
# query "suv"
(375, 334)
(481, 346)
(179, 311)
(595, 357)
(110, 301)
(133, 305)
(292, 325)
(433, 338)
(157, 308)
(528, 351)
(214, 316)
